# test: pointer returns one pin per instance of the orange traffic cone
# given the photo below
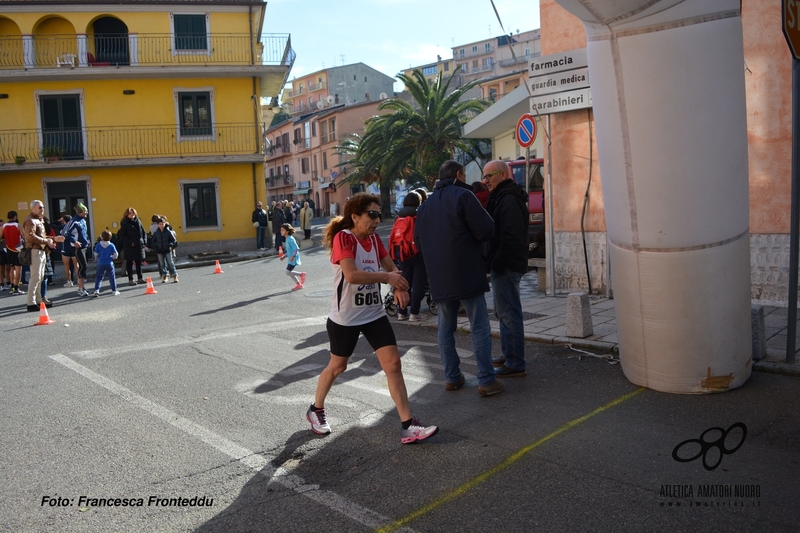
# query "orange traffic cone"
(44, 318)
(280, 252)
(218, 270)
(150, 288)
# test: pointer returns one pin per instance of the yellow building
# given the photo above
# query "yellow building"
(142, 104)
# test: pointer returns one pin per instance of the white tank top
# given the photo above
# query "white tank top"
(354, 305)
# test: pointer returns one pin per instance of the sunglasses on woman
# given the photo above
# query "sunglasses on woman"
(373, 214)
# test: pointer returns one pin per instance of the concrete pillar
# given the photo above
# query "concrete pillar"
(667, 81)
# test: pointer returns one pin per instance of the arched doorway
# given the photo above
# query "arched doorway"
(110, 41)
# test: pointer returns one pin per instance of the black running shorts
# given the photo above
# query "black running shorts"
(379, 333)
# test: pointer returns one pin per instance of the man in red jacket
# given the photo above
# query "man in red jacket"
(12, 237)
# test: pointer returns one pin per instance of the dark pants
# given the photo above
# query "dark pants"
(80, 255)
(261, 231)
(278, 240)
(417, 277)
(308, 233)
(129, 265)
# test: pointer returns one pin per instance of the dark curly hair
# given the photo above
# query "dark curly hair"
(356, 205)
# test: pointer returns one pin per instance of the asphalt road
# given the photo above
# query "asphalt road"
(200, 391)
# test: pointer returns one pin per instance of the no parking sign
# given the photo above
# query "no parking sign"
(526, 130)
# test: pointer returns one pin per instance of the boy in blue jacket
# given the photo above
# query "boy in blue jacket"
(106, 253)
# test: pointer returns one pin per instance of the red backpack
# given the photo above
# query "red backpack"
(401, 240)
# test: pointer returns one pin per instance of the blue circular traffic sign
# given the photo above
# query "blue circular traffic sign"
(526, 130)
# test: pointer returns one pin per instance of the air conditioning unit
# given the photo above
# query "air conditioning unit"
(321, 179)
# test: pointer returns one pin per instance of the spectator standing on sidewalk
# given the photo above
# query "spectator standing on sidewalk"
(306, 215)
(163, 241)
(68, 252)
(133, 238)
(33, 232)
(5, 273)
(507, 262)
(278, 220)
(413, 267)
(49, 268)
(288, 212)
(12, 236)
(79, 240)
(450, 231)
(260, 221)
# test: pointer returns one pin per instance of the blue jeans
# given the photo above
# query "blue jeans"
(165, 261)
(508, 309)
(101, 272)
(261, 232)
(481, 335)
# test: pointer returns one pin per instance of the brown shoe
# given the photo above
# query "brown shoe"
(455, 386)
(495, 387)
(500, 361)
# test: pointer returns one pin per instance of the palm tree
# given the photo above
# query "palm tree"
(426, 134)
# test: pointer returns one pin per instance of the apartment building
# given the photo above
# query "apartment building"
(302, 157)
(446, 66)
(493, 57)
(498, 58)
(347, 84)
(153, 105)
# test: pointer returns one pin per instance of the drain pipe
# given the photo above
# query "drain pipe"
(585, 203)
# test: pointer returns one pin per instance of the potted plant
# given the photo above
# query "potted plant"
(52, 153)
(19, 159)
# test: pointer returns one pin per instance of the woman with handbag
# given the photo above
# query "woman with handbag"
(133, 237)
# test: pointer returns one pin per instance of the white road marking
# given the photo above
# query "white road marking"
(256, 462)
(182, 341)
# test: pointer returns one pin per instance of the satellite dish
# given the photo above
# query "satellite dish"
(383, 96)
(320, 104)
(330, 99)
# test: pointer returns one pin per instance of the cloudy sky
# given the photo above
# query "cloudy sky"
(390, 35)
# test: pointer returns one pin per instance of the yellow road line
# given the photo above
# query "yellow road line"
(474, 482)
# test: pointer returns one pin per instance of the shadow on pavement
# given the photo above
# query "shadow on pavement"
(242, 303)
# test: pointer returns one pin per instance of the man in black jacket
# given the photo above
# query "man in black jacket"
(260, 221)
(450, 231)
(277, 222)
(507, 261)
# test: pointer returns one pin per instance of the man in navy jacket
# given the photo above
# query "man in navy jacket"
(450, 231)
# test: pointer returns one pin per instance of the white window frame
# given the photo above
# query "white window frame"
(175, 52)
(176, 91)
(197, 181)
